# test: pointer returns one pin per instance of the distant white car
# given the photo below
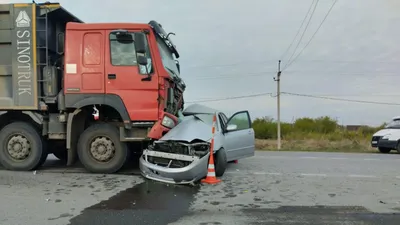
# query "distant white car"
(388, 138)
(182, 155)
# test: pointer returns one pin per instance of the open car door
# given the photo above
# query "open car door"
(239, 136)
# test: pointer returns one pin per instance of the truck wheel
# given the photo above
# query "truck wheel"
(100, 149)
(220, 162)
(384, 150)
(22, 147)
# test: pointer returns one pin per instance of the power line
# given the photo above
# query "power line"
(236, 75)
(304, 73)
(296, 94)
(304, 60)
(230, 98)
(298, 31)
(305, 29)
(326, 16)
(340, 99)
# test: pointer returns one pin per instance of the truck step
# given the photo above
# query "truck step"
(142, 124)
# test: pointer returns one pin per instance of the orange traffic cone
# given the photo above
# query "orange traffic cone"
(211, 177)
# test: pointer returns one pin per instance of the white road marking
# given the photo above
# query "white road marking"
(304, 174)
(313, 174)
(264, 173)
(361, 176)
(324, 158)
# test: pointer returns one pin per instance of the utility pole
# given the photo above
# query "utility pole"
(278, 104)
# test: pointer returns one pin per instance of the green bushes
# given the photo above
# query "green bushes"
(310, 128)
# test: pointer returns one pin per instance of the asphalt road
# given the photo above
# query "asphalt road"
(270, 188)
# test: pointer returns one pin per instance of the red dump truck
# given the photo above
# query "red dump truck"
(82, 91)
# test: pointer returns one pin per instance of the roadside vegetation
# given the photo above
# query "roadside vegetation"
(313, 134)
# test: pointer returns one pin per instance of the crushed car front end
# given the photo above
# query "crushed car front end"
(180, 156)
(175, 162)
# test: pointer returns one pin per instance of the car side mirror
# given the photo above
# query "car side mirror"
(140, 43)
(142, 60)
(231, 127)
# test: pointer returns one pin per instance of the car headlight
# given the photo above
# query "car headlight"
(168, 122)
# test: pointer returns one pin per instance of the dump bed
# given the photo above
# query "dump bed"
(29, 39)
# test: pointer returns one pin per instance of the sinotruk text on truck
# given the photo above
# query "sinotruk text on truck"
(82, 91)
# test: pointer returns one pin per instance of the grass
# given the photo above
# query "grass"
(322, 134)
(311, 145)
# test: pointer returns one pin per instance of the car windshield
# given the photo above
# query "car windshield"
(206, 118)
(167, 57)
(393, 124)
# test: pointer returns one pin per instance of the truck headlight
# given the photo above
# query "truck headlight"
(168, 122)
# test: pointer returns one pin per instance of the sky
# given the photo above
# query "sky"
(231, 48)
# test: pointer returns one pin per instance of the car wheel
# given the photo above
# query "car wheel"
(22, 147)
(220, 162)
(100, 149)
(398, 147)
(384, 150)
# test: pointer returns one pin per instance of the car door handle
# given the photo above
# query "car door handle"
(112, 76)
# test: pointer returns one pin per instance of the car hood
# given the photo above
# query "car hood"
(191, 128)
(384, 132)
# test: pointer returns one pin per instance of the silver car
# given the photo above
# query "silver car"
(181, 156)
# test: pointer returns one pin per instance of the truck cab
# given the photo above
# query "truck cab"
(86, 91)
(128, 67)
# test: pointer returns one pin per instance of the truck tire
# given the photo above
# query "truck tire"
(384, 150)
(100, 149)
(22, 147)
(220, 162)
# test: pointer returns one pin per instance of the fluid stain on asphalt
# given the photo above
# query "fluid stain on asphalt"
(146, 203)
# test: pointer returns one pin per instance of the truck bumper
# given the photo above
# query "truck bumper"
(385, 143)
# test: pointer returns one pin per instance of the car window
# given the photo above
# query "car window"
(241, 120)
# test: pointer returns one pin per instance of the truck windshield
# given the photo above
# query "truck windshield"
(394, 124)
(168, 59)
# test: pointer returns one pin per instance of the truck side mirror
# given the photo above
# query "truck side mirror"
(142, 60)
(140, 43)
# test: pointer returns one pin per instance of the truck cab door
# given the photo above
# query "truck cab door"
(124, 77)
